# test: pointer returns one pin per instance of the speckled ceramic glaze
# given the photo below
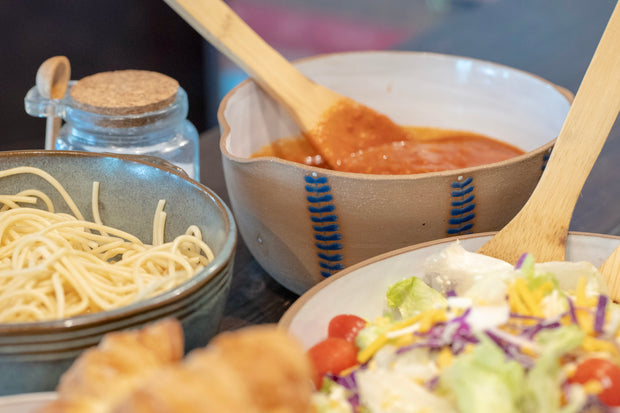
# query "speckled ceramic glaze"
(34, 355)
(361, 288)
(304, 224)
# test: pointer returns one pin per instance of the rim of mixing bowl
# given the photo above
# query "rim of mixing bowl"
(226, 128)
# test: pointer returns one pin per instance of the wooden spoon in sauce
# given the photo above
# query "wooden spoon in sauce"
(335, 125)
(541, 227)
(52, 80)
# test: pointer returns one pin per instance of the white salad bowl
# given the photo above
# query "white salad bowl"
(361, 289)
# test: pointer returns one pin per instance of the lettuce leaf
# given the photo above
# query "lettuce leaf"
(412, 296)
(543, 384)
(484, 380)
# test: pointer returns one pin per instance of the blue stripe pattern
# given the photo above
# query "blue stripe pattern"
(324, 224)
(462, 213)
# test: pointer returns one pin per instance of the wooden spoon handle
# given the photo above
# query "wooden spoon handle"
(541, 227)
(611, 273)
(218, 24)
(52, 127)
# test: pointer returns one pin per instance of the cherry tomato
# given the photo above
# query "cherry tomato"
(606, 373)
(345, 326)
(332, 355)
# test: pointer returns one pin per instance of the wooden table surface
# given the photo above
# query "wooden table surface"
(554, 39)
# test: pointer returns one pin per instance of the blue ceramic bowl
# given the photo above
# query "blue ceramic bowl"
(34, 355)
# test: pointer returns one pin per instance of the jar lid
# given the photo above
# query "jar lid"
(124, 92)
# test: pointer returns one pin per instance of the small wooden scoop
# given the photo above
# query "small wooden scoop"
(52, 80)
(334, 124)
(541, 227)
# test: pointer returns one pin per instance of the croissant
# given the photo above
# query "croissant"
(103, 375)
(258, 369)
(275, 368)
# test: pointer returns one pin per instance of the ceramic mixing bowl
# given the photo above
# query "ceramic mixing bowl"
(304, 223)
(360, 289)
(34, 355)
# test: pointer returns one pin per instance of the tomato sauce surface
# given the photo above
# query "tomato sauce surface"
(423, 149)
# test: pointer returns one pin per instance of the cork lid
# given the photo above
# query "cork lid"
(124, 92)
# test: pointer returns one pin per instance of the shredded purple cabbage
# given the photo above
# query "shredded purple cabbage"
(527, 317)
(456, 333)
(571, 311)
(599, 318)
(515, 353)
(512, 350)
(531, 331)
(349, 383)
(432, 384)
(520, 261)
(594, 404)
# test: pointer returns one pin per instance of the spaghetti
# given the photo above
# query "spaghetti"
(56, 265)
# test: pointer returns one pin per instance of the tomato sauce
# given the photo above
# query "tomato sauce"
(422, 149)
(349, 128)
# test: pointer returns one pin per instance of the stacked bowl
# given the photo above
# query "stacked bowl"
(33, 355)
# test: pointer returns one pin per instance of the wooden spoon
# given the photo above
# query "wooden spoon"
(52, 80)
(334, 124)
(541, 227)
(611, 273)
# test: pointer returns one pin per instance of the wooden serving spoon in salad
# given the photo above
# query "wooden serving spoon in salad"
(541, 227)
(611, 273)
(52, 80)
(334, 124)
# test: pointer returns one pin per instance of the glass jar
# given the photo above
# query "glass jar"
(165, 133)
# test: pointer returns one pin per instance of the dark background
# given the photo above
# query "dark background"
(97, 36)
(554, 39)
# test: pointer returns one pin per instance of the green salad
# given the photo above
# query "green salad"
(476, 334)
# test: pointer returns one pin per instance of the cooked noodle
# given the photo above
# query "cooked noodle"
(56, 265)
